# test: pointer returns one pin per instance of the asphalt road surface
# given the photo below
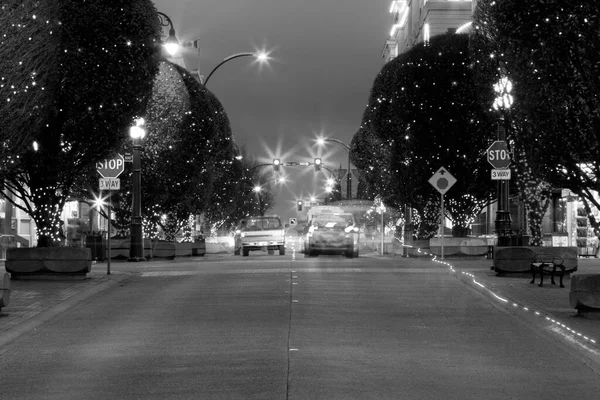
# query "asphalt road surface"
(278, 327)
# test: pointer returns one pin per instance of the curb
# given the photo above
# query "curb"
(46, 315)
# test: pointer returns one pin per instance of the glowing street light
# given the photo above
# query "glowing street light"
(171, 45)
(261, 57)
(504, 99)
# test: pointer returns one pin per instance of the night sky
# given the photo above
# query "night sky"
(325, 56)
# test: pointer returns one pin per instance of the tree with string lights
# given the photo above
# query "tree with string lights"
(371, 155)
(550, 51)
(188, 155)
(424, 106)
(188, 164)
(71, 84)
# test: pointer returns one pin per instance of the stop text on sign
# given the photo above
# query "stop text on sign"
(498, 155)
(111, 167)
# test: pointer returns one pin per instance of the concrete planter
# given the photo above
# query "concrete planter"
(459, 247)
(40, 262)
(162, 249)
(585, 295)
(519, 258)
(119, 248)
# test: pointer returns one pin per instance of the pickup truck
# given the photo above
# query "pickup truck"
(258, 233)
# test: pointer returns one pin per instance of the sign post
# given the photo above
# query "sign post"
(442, 181)
(108, 235)
(109, 169)
(499, 157)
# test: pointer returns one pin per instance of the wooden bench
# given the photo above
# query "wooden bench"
(547, 263)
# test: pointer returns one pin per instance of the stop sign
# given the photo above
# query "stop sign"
(111, 167)
(498, 155)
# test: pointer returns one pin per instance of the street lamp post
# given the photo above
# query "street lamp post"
(260, 56)
(171, 44)
(136, 249)
(137, 133)
(349, 175)
(503, 222)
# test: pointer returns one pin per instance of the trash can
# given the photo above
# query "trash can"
(96, 244)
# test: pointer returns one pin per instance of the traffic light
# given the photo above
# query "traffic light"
(276, 164)
(318, 164)
(300, 202)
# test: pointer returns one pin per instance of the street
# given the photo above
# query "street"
(286, 327)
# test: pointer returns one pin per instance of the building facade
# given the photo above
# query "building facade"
(415, 21)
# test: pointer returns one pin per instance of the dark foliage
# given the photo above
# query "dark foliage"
(76, 75)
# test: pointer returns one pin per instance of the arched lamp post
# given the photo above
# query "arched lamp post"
(260, 56)
(137, 133)
(136, 249)
(503, 223)
(322, 141)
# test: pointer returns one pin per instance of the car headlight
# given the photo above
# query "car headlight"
(243, 234)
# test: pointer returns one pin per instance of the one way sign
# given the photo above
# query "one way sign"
(442, 180)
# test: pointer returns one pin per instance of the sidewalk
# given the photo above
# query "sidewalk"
(34, 302)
